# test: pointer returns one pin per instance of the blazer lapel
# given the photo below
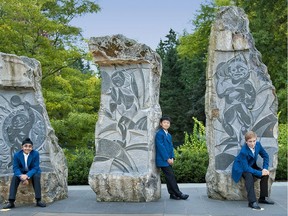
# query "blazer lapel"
(22, 159)
(249, 151)
(257, 149)
(29, 159)
(168, 138)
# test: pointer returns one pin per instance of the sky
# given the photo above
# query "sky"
(146, 21)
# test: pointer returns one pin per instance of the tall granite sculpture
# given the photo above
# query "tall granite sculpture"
(124, 166)
(239, 97)
(22, 115)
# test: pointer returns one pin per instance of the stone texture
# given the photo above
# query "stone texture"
(239, 97)
(23, 114)
(124, 166)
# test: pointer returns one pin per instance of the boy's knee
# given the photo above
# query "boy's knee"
(36, 176)
(247, 175)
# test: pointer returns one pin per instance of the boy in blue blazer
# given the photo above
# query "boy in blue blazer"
(165, 158)
(245, 166)
(25, 167)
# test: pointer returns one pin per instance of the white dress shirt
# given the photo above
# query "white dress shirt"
(25, 159)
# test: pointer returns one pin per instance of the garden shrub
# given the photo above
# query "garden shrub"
(79, 163)
(191, 158)
(281, 172)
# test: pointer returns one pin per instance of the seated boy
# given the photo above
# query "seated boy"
(25, 167)
(245, 166)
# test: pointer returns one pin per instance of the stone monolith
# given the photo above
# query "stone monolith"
(23, 114)
(124, 166)
(239, 97)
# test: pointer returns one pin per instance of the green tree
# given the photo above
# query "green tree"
(74, 103)
(193, 50)
(41, 29)
(173, 99)
(268, 24)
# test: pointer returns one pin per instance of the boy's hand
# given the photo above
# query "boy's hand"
(170, 161)
(24, 177)
(25, 182)
(265, 172)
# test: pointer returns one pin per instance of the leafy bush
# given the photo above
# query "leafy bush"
(76, 130)
(79, 163)
(281, 172)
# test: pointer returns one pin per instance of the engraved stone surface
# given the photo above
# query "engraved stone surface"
(239, 97)
(124, 166)
(23, 114)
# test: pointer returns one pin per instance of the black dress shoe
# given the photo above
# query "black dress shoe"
(184, 196)
(9, 206)
(254, 205)
(173, 196)
(40, 204)
(266, 201)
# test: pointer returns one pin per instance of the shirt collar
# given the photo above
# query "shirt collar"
(25, 154)
(253, 150)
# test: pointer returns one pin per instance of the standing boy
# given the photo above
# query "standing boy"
(25, 167)
(165, 158)
(245, 165)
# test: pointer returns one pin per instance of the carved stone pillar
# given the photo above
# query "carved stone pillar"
(124, 166)
(239, 97)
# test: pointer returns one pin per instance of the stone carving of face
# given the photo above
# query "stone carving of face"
(238, 70)
(118, 79)
(19, 121)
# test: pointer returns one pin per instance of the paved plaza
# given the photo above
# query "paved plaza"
(82, 202)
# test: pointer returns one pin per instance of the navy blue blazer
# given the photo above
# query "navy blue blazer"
(32, 163)
(245, 161)
(164, 148)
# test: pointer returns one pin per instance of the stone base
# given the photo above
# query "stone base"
(220, 186)
(25, 193)
(120, 188)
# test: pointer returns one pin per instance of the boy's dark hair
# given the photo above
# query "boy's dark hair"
(27, 140)
(167, 118)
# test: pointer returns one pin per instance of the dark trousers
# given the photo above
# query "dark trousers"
(16, 181)
(171, 181)
(249, 184)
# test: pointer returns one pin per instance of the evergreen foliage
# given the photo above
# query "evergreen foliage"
(173, 98)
